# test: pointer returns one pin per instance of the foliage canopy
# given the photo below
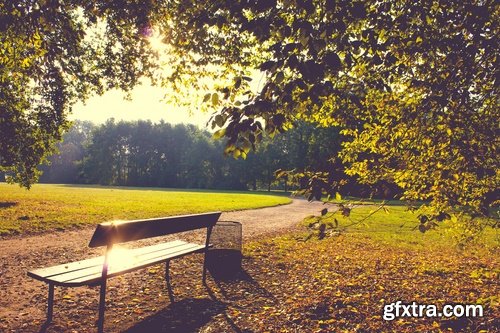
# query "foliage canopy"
(52, 54)
(414, 85)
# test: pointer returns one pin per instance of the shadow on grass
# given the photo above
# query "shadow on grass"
(359, 201)
(7, 204)
(187, 315)
(171, 189)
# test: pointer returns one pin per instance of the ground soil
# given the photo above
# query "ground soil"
(137, 302)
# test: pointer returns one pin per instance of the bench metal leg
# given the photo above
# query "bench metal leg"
(204, 276)
(205, 254)
(102, 307)
(167, 278)
(50, 304)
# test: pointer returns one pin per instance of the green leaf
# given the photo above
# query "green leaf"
(279, 78)
(219, 134)
(206, 97)
(215, 99)
(237, 84)
(268, 65)
(219, 120)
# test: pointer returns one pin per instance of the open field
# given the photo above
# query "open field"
(57, 207)
(338, 284)
(397, 226)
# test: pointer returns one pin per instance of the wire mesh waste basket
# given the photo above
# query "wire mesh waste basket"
(224, 257)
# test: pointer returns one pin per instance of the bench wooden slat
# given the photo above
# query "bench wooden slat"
(89, 271)
(47, 272)
(115, 232)
(144, 262)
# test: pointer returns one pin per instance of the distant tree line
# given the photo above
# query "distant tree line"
(142, 153)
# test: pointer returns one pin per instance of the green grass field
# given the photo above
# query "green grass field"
(397, 226)
(57, 207)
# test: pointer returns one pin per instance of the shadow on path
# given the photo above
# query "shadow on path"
(187, 315)
(238, 284)
(7, 204)
(237, 290)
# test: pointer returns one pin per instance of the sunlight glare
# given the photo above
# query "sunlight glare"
(119, 257)
(155, 39)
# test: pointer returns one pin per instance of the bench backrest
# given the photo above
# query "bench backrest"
(109, 233)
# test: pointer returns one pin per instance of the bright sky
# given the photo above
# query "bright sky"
(146, 104)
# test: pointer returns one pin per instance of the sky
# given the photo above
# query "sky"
(146, 103)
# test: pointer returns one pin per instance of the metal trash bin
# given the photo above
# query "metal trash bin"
(224, 257)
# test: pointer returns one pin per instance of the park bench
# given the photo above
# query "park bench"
(97, 271)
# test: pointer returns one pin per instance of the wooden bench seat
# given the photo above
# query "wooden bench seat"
(117, 261)
(89, 271)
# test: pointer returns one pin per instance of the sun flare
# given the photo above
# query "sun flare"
(119, 257)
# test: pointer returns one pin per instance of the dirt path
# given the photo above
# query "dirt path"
(23, 300)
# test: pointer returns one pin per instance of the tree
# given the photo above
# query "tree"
(145, 154)
(65, 166)
(54, 53)
(414, 85)
(99, 164)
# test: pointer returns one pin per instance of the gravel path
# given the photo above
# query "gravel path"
(23, 300)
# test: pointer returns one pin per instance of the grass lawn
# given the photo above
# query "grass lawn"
(397, 226)
(56, 207)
